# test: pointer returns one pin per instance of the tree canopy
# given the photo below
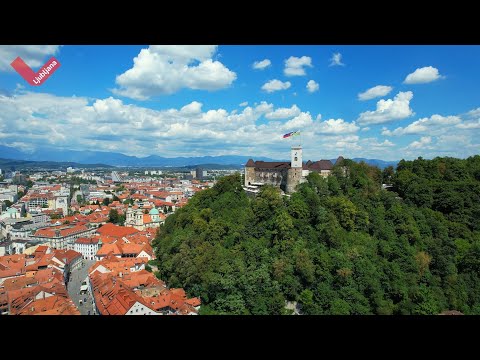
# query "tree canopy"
(338, 245)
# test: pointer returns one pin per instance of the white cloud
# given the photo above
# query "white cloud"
(301, 121)
(365, 128)
(431, 125)
(472, 120)
(336, 60)
(245, 103)
(376, 91)
(423, 75)
(191, 109)
(260, 65)
(373, 143)
(389, 110)
(33, 55)
(422, 143)
(283, 113)
(166, 69)
(453, 141)
(475, 113)
(312, 86)
(295, 66)
(30, 120)
(275, 85)
(338, 126)
(475, 124)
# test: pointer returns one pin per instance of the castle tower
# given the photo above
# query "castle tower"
(249, 172)
(295, 171)
(296, 157)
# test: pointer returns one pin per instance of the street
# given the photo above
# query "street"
(74, 284)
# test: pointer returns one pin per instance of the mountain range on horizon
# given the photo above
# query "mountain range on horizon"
(121, 160)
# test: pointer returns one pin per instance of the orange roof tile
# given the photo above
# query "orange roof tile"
(116, 231)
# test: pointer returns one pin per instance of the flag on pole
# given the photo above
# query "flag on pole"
(293, 133)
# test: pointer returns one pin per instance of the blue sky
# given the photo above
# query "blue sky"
(386, 102)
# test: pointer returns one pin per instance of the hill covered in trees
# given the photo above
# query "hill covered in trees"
(341, 245)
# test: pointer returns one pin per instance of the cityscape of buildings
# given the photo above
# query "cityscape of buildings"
(79, 242)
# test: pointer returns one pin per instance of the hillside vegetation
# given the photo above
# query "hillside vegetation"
(340, 245)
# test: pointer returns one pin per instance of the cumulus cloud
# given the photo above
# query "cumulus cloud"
(166, 69)
(430, 125)
(388, 110)
(295, 66)
(304, 119)
(260, 65)
(32, 120)
(374, 92)
(338, 126)
(475, 113)
(283, 113)
(422, 143)
(193, 108)
(275, 85)
(374, 144)
(336, 60)
(33, 55)
(312, 86)
(423, 75)
(245, 103)
(475, 124)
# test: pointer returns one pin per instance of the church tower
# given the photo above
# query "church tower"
(130, 221)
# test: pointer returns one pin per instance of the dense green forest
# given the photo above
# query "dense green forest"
(341, 245)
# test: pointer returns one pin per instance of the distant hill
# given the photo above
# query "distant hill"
(118, 159)
(375, 162)
(6, 164)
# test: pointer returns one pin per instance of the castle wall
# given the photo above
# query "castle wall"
(249, 175)
(293, 179)
(274, 177)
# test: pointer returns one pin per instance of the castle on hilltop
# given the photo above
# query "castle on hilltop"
(285, 175)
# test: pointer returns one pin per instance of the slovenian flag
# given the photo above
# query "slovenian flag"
(293, 133)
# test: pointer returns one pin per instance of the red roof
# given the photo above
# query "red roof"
(67, 256)
(116, 231)
(87, 241)
(64, 231)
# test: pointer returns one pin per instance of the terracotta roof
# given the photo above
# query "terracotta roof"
(67, 256)
(63, 231)
(112, 296)
(87, 241)
(109, 248)
(18, 283)
(116, 231)
(52, 305)
(250, 163)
